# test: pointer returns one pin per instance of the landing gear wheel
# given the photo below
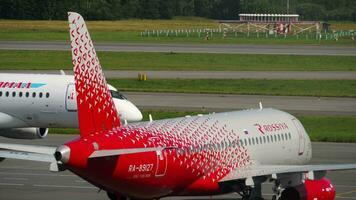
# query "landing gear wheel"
(112, 196)
(245, 194)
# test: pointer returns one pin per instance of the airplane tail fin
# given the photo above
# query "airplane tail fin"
(96, 109)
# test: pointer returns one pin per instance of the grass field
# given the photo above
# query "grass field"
(319, 128)
(119, 25)
(331, 88)
(54, 60)
(129, 31)
(330, 129)
(135, 37)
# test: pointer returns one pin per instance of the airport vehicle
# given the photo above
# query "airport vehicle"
(197, 155)
(32, 103)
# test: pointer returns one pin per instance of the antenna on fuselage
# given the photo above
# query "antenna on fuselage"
(261, 106)
(150, 118)
(62, 72)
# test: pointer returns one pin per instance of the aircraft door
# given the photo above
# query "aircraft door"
(300, 131)
(161, 163)
(71, 98)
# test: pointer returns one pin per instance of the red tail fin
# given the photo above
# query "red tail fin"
(96, 109)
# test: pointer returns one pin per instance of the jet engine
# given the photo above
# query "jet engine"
(311, 189)
(24, 133)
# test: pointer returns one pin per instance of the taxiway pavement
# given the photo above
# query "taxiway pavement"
(25, 180)
(225, 102)
(188, 48)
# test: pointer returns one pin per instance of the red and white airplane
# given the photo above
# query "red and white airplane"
(198, 155)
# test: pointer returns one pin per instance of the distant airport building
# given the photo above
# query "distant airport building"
(269, 17)
(271, 24)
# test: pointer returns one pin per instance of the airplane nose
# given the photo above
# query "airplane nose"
(136, 115)
(62, 154)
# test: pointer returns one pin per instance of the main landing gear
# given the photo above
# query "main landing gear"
(252, 193)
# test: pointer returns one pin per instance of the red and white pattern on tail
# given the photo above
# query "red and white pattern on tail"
(96, 109)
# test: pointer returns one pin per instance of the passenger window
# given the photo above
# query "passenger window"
(256, 140)
(275, 138)
(7, 93)
(0, 93)
(13, 94)
(20, 94)
(47, 95)
(264, 139)
(279, 137)
(290, 135)
(282, 137)
(34, 94)
(272, 138)
(249, 141)
(40, 94)
(27, 94)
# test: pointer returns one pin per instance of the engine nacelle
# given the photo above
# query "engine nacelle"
(24, 133)
(312, 189)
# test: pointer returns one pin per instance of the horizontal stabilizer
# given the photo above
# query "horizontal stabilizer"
(27, 156)
(105, 153)
(29, 148)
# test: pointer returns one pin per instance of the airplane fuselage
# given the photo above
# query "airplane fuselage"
(44, 100)
(203, 149)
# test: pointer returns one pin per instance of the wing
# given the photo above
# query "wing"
(275, 170)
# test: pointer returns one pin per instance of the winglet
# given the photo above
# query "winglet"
(96, 109)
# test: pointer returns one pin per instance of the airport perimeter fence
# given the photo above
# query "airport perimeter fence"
(223, 33)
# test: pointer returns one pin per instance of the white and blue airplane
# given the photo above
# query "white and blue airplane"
(32, 103)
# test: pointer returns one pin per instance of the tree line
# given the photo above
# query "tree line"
(167, 9)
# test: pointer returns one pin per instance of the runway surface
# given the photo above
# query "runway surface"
(189, 48)
(281, 75)
(24, 180)
(219, 102)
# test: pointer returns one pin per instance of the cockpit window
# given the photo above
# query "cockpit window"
(117, 95)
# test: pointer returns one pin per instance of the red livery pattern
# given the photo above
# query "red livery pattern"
(205, 156)
(96, 108)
